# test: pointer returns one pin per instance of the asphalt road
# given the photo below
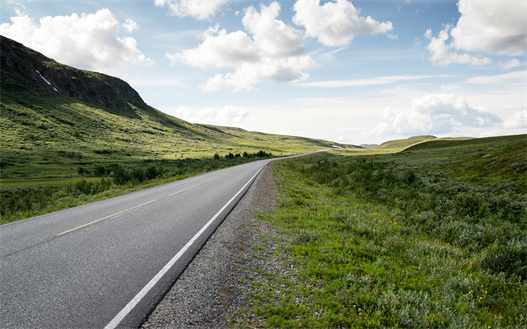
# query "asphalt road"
(106, 264)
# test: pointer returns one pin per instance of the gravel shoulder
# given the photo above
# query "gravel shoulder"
(213, 291)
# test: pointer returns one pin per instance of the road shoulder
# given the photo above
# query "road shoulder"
(213, 291)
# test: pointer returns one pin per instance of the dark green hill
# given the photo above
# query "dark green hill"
(25, 70)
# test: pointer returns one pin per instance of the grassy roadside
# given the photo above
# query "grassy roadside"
(21, 198)
(400, 241)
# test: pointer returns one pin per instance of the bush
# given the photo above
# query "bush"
(510, 259)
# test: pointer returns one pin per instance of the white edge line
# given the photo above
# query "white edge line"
(133, 303)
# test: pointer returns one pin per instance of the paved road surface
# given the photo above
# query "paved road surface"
(106, 264)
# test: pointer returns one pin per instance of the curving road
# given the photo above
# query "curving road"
(106, 264)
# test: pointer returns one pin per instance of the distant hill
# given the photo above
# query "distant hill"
(53, 114)
(368, 146)
(404, 143)
(500, 156)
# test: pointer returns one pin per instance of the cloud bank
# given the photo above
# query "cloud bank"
(436, 114)
(491, 27)
(226, 115)
(89, 41)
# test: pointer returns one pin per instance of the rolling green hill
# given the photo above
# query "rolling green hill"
(55, 118)
(403, 143)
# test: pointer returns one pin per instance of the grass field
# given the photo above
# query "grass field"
(432, 237)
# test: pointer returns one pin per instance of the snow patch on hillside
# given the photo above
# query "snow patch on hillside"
(49, 83)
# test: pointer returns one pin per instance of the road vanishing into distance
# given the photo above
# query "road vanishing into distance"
(107, 264)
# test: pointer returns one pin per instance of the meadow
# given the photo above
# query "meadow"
(431, 237)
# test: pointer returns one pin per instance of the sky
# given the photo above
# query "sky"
(355, 72)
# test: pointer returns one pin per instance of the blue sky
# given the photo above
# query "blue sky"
(348, 71)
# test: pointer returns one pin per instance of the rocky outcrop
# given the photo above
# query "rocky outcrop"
(23, 69)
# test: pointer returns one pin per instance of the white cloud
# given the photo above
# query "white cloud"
(219, 49)
(226, 115)
(513, 63)
(517, 120)
(130, 25)
(273, 37)
(441, 54)
(273, 53)
(289, 69)
(88, 41)
(492, 27)
(436, 114)
(198, 9)
(335, 23)
(495, 27)
(509, 79)
(368, 82)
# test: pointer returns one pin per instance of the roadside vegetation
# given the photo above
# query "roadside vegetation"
(432, 237)
(97, 182)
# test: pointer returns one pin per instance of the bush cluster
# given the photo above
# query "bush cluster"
(259, 154)
(463, 214)
(120, 175)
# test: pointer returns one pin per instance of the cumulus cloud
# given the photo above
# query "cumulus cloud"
(272, 36)
(272, 51)
(491, 27)
(436, 114)
(130, 25)
(198, 9)
(441, 53)
(495, 27)
(335, 23)
(89, 41)
(283, 70)
(226, 115)
(219, 49)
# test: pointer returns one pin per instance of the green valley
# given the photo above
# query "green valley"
(71, 136)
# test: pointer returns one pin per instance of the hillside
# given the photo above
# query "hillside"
(488, 159)
(55, 118)
(404, 143)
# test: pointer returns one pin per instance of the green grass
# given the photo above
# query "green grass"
(400, 240)
(23, 198)
(5, 183)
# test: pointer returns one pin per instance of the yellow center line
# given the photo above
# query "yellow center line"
(210, 180)
(114, 215)
(184, 190)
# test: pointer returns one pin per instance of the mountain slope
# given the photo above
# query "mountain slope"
(53, 115)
